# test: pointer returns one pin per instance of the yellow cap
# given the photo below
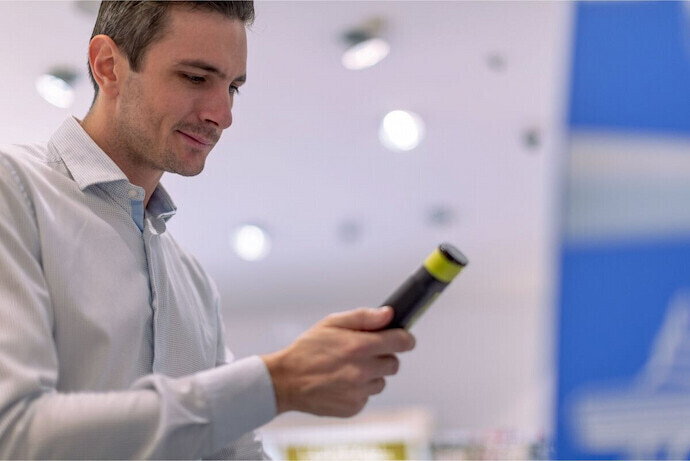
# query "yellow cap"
(441, 267)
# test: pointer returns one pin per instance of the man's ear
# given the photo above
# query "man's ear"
(107, 65)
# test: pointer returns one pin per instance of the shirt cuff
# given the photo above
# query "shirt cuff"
(240, 398)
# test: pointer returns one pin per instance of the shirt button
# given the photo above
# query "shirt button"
(132, 193)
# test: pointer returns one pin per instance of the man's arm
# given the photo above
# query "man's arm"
(159, 417)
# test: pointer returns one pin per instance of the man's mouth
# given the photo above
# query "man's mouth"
(197, 139)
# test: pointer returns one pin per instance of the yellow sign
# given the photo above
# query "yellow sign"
(348, 451)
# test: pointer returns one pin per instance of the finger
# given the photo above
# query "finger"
(366, 344)
(410, 340)
(373, 368)
(401, 340)
(361, 319)
(386, 342)
(375, 386)
(387, 365)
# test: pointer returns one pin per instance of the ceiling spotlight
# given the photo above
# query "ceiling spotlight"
(496, 62)
(251, 242)
(349, 231)
(56, 87)
(89, 7)
(440, 216)
(365, 47)
(531, 138)
(401, 130)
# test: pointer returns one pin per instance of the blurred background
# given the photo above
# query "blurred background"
(368, 133)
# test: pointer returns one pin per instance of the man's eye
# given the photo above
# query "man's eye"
(234, 89)
(194, 78)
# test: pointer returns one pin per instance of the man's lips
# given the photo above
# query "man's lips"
(198, 139)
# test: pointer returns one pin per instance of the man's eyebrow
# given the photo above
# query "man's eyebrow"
(209, 68)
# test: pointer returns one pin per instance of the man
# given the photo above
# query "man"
(112, 343)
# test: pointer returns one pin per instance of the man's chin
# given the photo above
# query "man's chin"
(188, 171)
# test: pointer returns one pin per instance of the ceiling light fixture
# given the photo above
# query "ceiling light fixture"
(89, 7)
(440, 216)
(365, 47)
(401, 130)
(251, 242)
(496, 62)
(56, 87)
(531, 138)
(350, 231)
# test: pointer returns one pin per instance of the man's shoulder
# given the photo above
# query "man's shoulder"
(35, 152)
(19, 167)
(25, 156)
(29, 160)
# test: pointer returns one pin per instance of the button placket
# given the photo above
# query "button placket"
(153, 286)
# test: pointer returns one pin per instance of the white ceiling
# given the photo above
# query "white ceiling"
(303, 157)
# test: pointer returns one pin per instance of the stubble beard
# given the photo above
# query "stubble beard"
(138, 144)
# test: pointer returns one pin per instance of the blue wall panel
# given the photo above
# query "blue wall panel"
(630, 68)
(624, 319)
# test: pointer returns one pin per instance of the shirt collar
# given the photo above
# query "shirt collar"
(160, 204)
(89, 165)
(86, 162)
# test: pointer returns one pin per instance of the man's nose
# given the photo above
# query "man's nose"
(218, 109)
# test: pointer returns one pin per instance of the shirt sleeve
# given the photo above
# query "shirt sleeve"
(158, 417)
(250, 445)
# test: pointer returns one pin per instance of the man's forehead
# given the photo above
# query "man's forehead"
(188, 21)
(206, 40)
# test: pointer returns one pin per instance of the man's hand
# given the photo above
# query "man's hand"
(333, 368)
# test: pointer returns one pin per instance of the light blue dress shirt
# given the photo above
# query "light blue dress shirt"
(111, 341)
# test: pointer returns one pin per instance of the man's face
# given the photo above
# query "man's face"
(172, 111)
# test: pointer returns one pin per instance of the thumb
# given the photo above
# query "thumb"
(361, 319)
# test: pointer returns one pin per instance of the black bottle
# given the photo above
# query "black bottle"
(417, 293)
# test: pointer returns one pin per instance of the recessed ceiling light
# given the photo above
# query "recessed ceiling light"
(496, 62)
(365, 54)
(440, 216)
(349, 231)
(89, 7)
(251, 242)
(531, 138)
(56, 87)
(366, 48)
(401, 130)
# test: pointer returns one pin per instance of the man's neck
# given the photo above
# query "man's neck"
(103, 136)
